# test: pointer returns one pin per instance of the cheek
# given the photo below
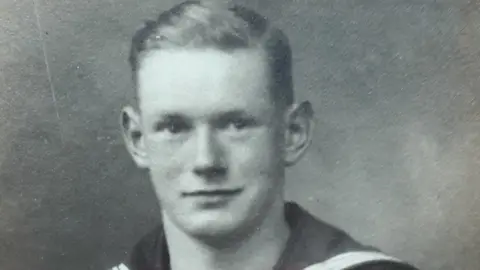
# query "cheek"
(257, 159)
(167, 163)
(166, 170)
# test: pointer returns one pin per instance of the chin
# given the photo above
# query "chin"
(212, 225)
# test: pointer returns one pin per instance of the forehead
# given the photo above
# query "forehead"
(202, 80)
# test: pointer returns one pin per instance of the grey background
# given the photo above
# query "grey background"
(395, 159)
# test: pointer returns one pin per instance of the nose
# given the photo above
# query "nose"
(209, 161)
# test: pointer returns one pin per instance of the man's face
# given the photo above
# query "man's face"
(212, 136)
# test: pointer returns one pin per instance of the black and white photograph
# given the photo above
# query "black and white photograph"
(240, 134)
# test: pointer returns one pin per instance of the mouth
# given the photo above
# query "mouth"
(213, 193)
(212, 198)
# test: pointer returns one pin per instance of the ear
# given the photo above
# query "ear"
(133, 137)
(298, 131)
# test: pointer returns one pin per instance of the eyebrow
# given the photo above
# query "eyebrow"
(172, 116)
(216, 116)
(233, 114)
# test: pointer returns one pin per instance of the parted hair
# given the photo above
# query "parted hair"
(218, 25)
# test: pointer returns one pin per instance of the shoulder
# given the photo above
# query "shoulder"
(368, 266)
(384, 266)
(325, 245)
(362, 260)
(144, 253)
(322, 239)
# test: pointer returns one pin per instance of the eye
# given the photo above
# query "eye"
(237, 124)
(173, 126)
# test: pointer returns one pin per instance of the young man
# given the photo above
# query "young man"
(216, 125)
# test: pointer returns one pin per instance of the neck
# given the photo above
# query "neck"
(260, 250)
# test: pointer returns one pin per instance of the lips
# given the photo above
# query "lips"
(213, 193)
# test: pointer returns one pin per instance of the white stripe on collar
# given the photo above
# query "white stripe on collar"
(350, 259)
(120, 267)
(339, 262)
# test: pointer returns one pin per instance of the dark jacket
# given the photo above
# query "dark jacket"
(311, 242)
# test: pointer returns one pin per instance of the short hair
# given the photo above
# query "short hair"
(223, 26)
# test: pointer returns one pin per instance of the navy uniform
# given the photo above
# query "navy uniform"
(313, 245)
